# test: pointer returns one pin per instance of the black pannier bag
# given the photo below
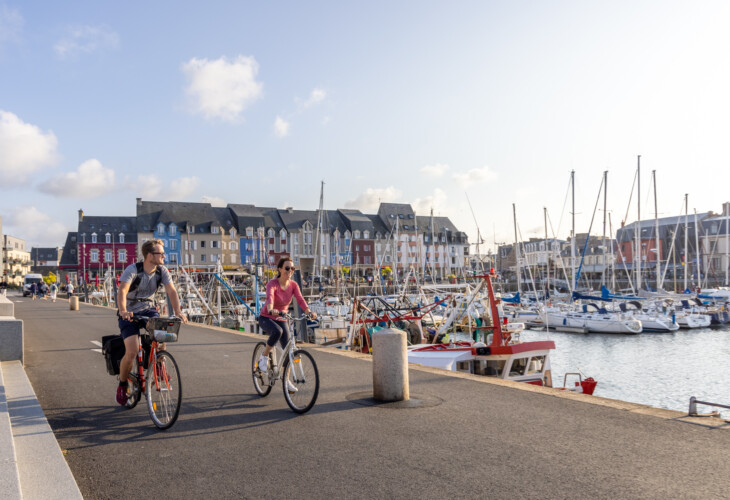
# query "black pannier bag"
(113, 351)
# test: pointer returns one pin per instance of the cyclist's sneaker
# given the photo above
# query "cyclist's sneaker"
(121, 395)
(263, 363)
(290, 387)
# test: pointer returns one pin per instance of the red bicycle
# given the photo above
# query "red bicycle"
(156, 374)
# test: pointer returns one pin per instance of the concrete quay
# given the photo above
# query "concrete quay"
(457, 436)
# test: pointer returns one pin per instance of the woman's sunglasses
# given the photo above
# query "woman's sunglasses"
(290, 268)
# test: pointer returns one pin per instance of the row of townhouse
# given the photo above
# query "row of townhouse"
(698, 243)
(238, 236)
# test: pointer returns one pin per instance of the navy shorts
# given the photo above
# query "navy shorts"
(129, 328)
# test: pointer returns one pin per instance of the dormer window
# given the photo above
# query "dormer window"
(121, 238)
(93, 237)
(392, 216)
(401, 216)
(160, 228)
(173, 229)
(214, 229)
(366, 234)
(233, 232)
(271, 233)
(108, 239)
(356, 235)
(191, 229)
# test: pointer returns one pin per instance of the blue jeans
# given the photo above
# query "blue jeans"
(277, 330)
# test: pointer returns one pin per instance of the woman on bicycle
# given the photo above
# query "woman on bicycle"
(279, 293)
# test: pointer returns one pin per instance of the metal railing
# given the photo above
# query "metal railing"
(693, 402)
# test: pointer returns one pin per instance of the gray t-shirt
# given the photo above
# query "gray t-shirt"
(146, 289)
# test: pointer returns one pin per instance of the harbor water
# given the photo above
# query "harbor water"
(662, 370)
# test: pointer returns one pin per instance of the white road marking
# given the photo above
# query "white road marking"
(97, 350)
(96, 342)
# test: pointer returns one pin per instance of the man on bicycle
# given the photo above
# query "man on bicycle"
(137, 287)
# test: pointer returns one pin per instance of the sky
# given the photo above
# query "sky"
(477, 110)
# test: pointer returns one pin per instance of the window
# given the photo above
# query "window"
(214, 229)
(366, 234)
(160, 228)
(249, 231)
(233, 258)
(173, 258)
(173, 229)
(366, 248)
(108, 237)
(121, 237)
(194, 245)
(356, 235)
(94, 256)
(173, 244)
(191, 229)
(214, 244)
(202, 243)
(405, 226)
(93, 237)
(234, 245)
(271, 233)
(202, 258)
(108, 255)
(122, 256)
(233, 232)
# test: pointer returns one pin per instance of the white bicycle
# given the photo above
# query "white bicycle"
(295, 366)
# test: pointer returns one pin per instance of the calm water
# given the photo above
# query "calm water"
(656, 369)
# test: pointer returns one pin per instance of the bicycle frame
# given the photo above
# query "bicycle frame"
(278, 355)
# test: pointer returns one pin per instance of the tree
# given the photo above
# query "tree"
(50, 278)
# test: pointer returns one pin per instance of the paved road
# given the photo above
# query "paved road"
(470, 439)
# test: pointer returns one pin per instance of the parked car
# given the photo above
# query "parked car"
(29, 280)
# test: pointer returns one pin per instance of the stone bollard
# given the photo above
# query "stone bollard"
(73, 303)
(390, 365)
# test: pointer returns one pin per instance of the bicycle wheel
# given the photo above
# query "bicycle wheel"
(260, 380)
(164, 390)
(303, 376)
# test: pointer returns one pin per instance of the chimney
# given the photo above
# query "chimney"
(726, 208)
(139, 202)
(81, 215)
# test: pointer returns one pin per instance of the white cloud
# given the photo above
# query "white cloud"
(371, 198)
(436, 201)
(86, 40)
(436, 170)
(147, 187)
(214, 201)
(475, 175)
(11, 25)
(281, 127)
(35, 227)
(315, 97)
(181, 188)
(24, 149)
(90, 180)
(221, 88)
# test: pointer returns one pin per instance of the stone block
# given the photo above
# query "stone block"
(6, 307)
(390, 365)
(11, 339)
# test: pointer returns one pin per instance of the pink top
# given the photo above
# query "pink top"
(281, 298)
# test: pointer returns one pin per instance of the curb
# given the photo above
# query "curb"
(42, 468)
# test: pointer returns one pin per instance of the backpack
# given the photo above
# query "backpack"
(137, 279)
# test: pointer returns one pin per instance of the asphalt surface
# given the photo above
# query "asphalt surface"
(459, 437)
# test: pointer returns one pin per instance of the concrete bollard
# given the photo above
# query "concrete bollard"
(390, 365)
(73, 303)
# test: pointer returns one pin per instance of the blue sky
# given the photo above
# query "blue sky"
(436, 104)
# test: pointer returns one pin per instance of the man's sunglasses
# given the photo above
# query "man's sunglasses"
(157, 253)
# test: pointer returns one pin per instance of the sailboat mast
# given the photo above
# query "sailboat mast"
(605, 195)
(517, 251)
(547, 250)
(698, 267)
(638, 224)
(727, 240)
(658, 258)
(686, 234)
(572, 233)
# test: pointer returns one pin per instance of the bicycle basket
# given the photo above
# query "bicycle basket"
(164, 329)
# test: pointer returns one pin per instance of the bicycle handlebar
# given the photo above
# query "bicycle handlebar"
(290, 317)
